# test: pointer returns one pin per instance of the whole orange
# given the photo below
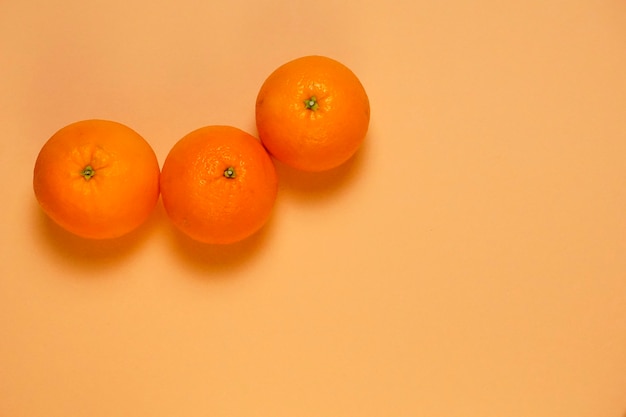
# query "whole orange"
(312, 113)
(98, 179)
(218, 185)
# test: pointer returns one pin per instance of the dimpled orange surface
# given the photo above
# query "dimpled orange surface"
(469, 260)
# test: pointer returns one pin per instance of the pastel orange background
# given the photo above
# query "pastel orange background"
(469, 261)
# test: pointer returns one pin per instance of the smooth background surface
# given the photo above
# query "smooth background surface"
(470, 261)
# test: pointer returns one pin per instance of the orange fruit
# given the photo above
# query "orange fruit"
(218, 185)
(98, 179)
(312, 113)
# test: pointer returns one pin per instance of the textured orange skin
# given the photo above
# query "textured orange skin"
(117, 199)
(205, 204)
(312, 140)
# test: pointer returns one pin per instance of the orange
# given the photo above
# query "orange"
(98, 179)
(218, 185)
(312, 113)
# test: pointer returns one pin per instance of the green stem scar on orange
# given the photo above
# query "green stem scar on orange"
(230, 172)
(311, 103)
(88, 172)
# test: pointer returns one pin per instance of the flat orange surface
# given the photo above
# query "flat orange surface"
(469, 261)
